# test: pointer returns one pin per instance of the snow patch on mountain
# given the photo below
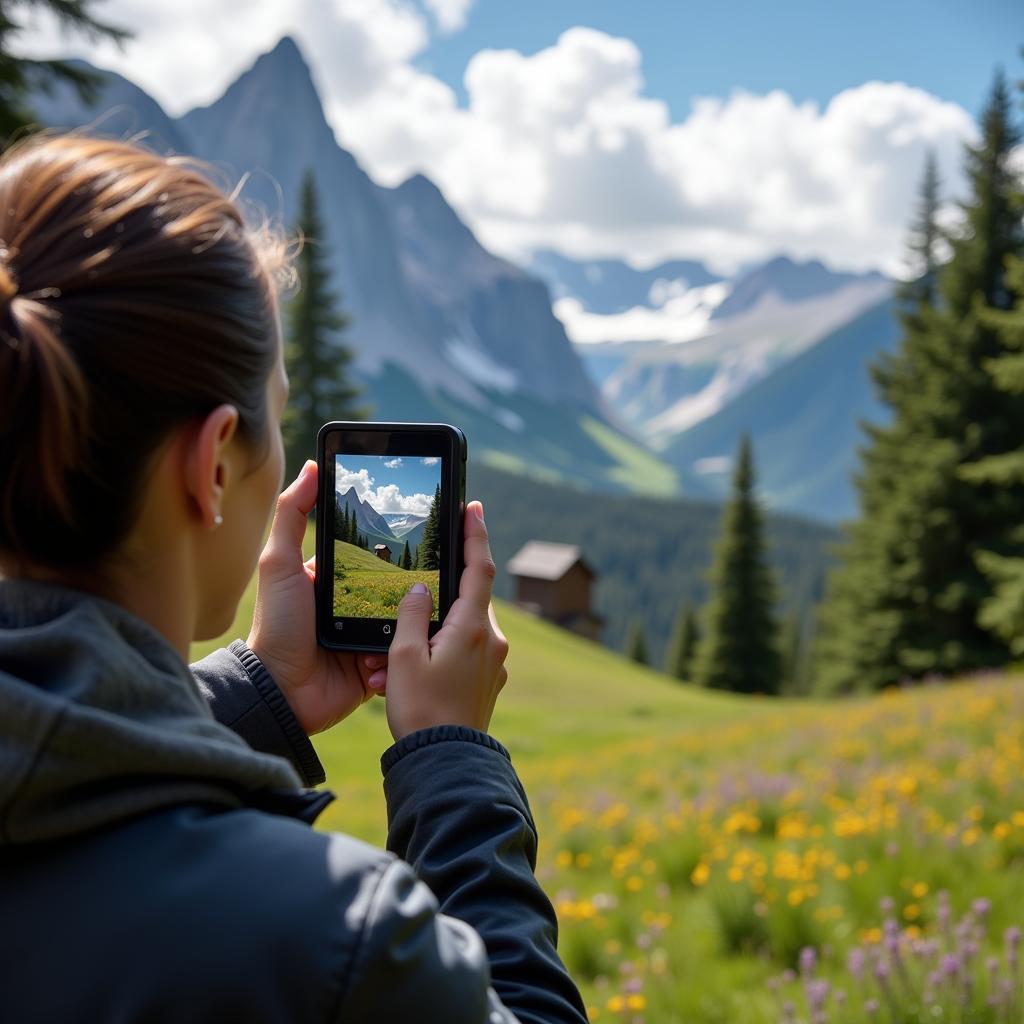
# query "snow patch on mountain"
(683, 314)
(479, 366)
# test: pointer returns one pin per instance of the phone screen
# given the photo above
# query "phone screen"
(389, 514)
(388, 532)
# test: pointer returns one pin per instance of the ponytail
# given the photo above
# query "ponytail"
(133, 297)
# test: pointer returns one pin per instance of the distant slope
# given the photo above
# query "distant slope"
(804, 420)
(790, 281)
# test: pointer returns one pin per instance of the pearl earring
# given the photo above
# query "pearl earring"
(218, 519)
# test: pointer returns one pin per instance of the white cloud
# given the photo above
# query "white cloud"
(431, 460)
(562, 148)
(383, 498)
(682, 314)
(390, 499)
(393, 463)
(450, 15)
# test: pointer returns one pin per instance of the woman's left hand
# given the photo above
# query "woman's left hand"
(322, 687)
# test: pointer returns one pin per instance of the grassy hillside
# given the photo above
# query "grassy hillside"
(368, 587)
(699, 846)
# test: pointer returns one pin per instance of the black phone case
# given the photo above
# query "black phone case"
(455, 481)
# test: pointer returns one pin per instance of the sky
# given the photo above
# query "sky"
(389, 483)
(727, 132)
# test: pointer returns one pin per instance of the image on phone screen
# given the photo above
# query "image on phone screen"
(387, 532)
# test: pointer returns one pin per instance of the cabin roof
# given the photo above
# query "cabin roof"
(543, 560)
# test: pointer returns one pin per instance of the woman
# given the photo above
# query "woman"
(156, 859)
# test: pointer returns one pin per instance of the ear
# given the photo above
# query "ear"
(208, 465)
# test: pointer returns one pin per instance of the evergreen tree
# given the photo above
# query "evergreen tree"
(341, 522)
(430, 545)
(738, 649)
(923, 242)
(905, 598)
(794, 655)
(636, 645)
(406, 560)
(21, 76)
(416, 557)
(683, 644)
(318, 363)
(1003, 561)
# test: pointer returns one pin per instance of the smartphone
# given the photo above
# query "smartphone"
(390, 512)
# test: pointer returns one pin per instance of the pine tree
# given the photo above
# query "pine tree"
(406, 560)
(430, 545)
(318, 363)
(683, 644)
(636, 644)
(416, 557)
(21, 76)
(739, 646)
(1002, 562)
(905, 599)
(923, 242)
(792, 654)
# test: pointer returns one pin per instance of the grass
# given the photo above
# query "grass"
(368, 587)
(694, 843)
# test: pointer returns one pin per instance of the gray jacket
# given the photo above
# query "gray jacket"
(157, 864)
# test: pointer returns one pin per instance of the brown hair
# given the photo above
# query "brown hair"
(133, 297)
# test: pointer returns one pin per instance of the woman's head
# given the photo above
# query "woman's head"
(140, 356)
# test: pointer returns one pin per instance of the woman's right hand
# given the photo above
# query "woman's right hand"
(455, 676)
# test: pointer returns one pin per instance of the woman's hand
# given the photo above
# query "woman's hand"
(322, 687)
(455, 676)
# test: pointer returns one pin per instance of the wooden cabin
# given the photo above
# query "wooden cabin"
(554, 582)
(382, 551)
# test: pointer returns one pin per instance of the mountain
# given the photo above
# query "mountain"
(441, 330)
(613, 286)
(122, 110)
(663, 389)
(492, 321)
(804, 419)
(368, 519)
(402, 522)
(789, 281)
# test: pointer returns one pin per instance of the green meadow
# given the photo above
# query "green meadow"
(694, 843)
(366, 586)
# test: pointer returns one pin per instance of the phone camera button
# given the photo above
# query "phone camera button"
(387, 627)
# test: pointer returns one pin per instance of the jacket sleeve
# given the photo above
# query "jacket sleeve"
(458, 814)
(414, 963)
(243, 696)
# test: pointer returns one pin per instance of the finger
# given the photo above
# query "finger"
(496, 629)
(478, 576)
(284, 548)
(378, 680)
(310, 566)
(374, 661)
(413, 624)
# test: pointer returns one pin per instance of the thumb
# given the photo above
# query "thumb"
(284, 546)
(412, 629)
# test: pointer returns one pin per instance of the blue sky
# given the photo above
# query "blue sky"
(643, 130)
(389, 483)
(812, 49)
